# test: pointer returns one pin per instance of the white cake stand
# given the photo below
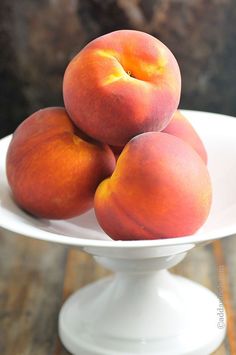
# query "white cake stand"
(142, 309)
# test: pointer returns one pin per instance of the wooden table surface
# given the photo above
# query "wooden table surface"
(36, 277)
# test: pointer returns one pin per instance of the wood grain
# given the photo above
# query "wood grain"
(31, 284)
(36, 277)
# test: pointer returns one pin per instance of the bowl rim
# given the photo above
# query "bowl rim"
(35, 232)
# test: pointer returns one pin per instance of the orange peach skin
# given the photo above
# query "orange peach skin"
(122, 84)
(52, 171)
(180, 127)
(160, 188)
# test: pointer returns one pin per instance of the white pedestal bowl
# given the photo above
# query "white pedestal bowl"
(142, 309)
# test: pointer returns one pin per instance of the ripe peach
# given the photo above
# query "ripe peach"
(116, 150)
(180, 127)
(53, 171)
(160, 188)
(122, 84)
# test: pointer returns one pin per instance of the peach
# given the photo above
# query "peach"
(116, 150)
(52, 170)
(160, 188)
(122, 84)
(180, 127)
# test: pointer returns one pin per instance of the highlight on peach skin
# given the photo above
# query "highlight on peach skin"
(180, 127)
(122, 84)
(160, 188)
(52, 169)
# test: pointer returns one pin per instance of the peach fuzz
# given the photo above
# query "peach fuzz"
(120, 85)
(180, 127)
(52, 170)
(160, 188)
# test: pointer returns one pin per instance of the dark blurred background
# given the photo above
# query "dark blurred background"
(38, 38)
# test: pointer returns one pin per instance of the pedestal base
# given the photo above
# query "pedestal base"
(149, 314)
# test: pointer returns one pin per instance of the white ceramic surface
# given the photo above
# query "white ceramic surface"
(140, 310)
(148, 314)
(219, 135)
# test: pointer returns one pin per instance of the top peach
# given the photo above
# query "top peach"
(122, 84)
